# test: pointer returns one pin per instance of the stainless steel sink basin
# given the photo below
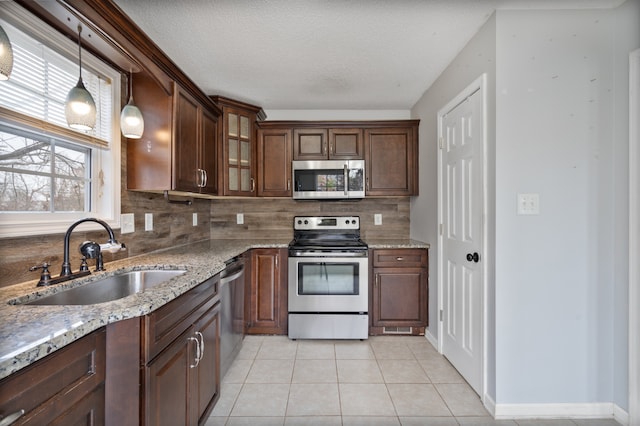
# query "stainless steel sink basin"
(110, 288)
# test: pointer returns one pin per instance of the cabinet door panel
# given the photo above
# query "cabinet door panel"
(208, 381)
(268, 297)
(399, 297)
(167, 378)
(391, 161)
(345, 144)
(274, 163)
(209, 161)
(186, 143)
(310, 144)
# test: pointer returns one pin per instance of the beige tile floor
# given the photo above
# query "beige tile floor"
(382, 381)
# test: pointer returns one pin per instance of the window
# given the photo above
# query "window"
(51, 175)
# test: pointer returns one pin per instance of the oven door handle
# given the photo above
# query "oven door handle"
(324, 255)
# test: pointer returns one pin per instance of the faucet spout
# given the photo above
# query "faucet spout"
(66, 265)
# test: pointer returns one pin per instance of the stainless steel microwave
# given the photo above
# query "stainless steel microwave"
(328, 179)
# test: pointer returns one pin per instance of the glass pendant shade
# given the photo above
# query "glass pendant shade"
(79, 108)
(131, 121)
(6, 55)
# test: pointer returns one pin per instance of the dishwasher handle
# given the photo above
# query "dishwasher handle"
(234, 275)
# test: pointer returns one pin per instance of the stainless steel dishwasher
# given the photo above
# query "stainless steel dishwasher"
(232, 312)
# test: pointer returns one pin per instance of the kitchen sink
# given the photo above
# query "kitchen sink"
(111, 288)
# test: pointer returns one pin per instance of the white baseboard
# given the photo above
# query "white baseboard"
(431, 339)
(489, 404)
(620, 416)
(598, 410)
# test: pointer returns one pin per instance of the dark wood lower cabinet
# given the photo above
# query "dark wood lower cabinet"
(399, 291)
(267, 310)
(65, 388)
(182, 382)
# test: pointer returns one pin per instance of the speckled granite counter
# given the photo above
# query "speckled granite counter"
(379, 243)
(30, 332)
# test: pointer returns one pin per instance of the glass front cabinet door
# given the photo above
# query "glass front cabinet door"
(238, 146)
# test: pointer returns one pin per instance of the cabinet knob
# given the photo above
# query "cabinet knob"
(399, 259)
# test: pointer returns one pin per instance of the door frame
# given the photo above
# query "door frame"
(480, 84)
(634, 237)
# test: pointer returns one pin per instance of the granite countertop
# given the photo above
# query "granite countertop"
(30, 332)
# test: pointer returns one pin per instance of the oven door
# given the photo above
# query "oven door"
(328, 284)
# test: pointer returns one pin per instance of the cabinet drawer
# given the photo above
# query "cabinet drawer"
(52, 386)
(161, 327)
(400, 258)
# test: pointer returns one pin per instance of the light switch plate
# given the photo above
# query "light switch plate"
(529, 204)
(127, 225)
(377, 219)
(195, 219)
(240, 218)
(148, 221)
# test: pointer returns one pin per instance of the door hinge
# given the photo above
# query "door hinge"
(441, 314)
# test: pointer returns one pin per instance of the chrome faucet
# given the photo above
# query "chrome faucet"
(88, 249)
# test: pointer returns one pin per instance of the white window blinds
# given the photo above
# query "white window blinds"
(41, 79)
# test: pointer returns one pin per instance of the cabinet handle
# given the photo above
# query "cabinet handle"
(399, 259)
(201, 345)
(11, 418)
(367, 183)
(277, 261)
(330, 149)
(205, 178)
(324, 149)
(253, 184)
(288, 184)
(197, 358)
(375, 282)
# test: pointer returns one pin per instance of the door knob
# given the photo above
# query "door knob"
(475, 257)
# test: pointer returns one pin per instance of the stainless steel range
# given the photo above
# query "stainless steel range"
(328, 279)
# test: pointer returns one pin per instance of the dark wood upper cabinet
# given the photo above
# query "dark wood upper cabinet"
(274, 162)
(237, 176)
(178, 149)
(391, 160)
(327, 144)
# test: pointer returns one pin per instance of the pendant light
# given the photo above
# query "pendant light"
(80, 109)
(131, 121)
(6, 55)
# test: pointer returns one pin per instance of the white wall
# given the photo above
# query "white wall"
(558, 126)
(476, 58)
(560, 276)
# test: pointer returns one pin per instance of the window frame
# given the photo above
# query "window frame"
(105, 163)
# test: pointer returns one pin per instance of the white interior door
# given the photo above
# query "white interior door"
(461, 139)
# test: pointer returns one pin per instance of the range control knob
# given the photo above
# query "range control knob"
(299, 222)
(306, 222)
(353, 222)
(346, 221)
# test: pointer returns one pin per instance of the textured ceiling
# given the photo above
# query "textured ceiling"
(320, 54)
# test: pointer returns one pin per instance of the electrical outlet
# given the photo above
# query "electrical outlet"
(148, 221)
(240, 218)
(377, 219)
(528, 204)
(127, 224)
(195, 219)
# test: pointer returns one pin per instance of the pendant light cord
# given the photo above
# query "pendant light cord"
(80, 50)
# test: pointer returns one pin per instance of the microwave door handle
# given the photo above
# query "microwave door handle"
(346, 178)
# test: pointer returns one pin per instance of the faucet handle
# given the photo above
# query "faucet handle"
(45, 276)
(112, 246)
